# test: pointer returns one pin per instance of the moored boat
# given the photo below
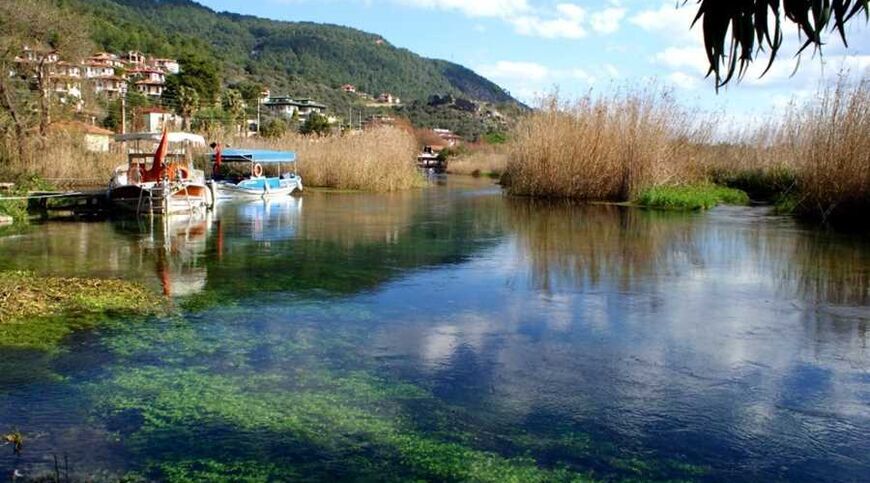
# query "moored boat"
(252, 182)
(163, 181)
(431, 162)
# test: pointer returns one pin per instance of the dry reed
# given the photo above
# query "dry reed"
(60, 158)
(830, 142)
(605, 148)
(380, 160)
(483, 162)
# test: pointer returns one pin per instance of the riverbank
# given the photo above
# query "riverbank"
(37, 312)
(640, 146)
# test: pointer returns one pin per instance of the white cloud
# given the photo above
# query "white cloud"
(516, 71)
(549, 29)
(474, 8)
(693, 58)
(563, 21)
(607, 21)
(670, 19)
(684, 81)
(529, 80)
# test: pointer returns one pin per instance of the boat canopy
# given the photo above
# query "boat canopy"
(260, 156)
(172, 137)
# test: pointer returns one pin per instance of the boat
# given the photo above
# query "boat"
(159, 182)
(431, 162)
(253, 183)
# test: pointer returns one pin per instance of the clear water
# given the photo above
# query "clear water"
(453, 334)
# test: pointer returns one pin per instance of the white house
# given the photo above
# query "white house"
(154, 120)
(94, 70)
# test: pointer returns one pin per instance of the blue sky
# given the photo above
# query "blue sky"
(532, 46)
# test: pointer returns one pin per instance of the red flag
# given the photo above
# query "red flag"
(218, 157)
(156, 171)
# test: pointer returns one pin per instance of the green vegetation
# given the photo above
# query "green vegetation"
(316, 124)
(691, 197)
(297, 58)
(469, 119)
(38, 312)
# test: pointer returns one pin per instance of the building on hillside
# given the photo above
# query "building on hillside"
(155, 119)
(106, 58)
(168, 66)
(378, 121)
(96, 139)
(66, 82)
(66, 87)
(149, 82)
(34, 55)
(387, 98)
(134, 58)
(451, 138)
(287, 107)
(95, 70)
(349, 88)
(112, 87)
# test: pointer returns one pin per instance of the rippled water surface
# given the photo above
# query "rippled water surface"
(452, 334)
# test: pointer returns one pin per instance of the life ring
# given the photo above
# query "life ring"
(258, 170)
(179, 171)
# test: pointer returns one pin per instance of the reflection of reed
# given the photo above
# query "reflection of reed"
(825, 270)
(574, 245)
(349, 219)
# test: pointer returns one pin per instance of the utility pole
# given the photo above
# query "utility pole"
(123, 114)
(259, 100)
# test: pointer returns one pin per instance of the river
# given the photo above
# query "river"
(452, 333)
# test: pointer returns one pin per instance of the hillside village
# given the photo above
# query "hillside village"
(104, 78)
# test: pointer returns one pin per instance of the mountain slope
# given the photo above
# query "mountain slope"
(283, 55)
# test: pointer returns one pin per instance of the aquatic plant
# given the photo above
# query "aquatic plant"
(16, 439)
(691, 197)
(37, 312)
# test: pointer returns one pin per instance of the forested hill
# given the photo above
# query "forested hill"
(287, 56)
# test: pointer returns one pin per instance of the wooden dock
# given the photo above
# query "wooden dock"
(79, 202)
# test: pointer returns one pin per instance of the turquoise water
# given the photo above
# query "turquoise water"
(452, 334)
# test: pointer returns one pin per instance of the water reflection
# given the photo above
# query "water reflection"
(350, 330)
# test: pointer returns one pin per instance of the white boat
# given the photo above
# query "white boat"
(253, 183)
(161, 181)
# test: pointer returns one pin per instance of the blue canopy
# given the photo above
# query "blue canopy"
(261, 156)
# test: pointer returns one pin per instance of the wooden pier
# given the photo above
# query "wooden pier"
(79, 202)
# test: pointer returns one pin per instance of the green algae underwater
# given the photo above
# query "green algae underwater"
(445, 335)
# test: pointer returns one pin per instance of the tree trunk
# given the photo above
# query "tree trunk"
(43, 84)
(9, 105)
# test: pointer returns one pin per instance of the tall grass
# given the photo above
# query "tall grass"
(607, 148)
(830, 142)
(380, 160)
(60, 158)
(488, 161)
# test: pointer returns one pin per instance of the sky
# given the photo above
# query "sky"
(534, 47)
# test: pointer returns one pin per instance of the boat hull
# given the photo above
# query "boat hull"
(265, 188)
(161, 199)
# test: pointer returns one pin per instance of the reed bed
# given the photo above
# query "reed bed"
(60, 158)
(379, 160)
(606, 148)
(490, 161)
(830, 142)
